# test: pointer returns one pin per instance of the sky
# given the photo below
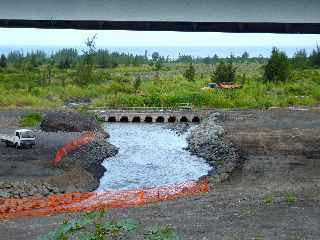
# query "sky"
(68, 37)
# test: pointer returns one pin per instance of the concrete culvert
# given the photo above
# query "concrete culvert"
(184, 119)
(195, 119)
(112, 119)
(136, 119)
(160, 119)
(124, 119)
(172, 119)
(148, 119)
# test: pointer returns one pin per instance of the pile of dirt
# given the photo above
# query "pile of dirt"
(69, 122)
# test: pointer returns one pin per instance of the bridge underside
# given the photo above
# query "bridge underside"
(234, 27)
(277, 16)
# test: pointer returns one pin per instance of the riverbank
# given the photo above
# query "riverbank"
(272, 194)
(30, 172)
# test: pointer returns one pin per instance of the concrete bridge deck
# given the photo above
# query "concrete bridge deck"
(151, 115)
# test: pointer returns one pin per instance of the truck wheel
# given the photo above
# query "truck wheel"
(17, 146)
(7, 144)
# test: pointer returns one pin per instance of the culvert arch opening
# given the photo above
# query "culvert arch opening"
(112, 119)
(136, 119)
(184, 119)
(160, 119)
(124, 119)
(195, 119)
(148, 119)
(172, 119)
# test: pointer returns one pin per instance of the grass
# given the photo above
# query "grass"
(31, 120)
(167, 88)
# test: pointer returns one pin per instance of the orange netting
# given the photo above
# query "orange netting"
(85, 138)
(90, 201)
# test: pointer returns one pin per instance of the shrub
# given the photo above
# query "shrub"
(137, 83)
(94, 226)
(31, 120)
(190, 73)
(315, 57)
(291, 198)
(268, 199)
(277, 68)
(224, 72)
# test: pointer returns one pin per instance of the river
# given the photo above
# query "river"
(150, 155)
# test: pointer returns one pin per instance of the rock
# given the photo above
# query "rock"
(91, 156)
(179, 128)
(69, 122)
(206, 141)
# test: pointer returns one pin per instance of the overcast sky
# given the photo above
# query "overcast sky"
(66, 37)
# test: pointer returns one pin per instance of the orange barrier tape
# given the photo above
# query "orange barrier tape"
(85, 139)
(81, 202)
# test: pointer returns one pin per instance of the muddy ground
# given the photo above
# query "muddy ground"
(273, 194)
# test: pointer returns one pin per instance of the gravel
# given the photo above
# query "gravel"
(206, 141)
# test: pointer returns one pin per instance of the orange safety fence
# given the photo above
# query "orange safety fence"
(11, 208)
(85, 139)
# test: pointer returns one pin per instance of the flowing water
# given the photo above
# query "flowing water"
(150, 155)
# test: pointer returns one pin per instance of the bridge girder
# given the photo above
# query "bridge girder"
(282, 16)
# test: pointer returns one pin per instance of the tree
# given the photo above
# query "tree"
(300, 59)
(245, 55)
(3, 61)
(190, 73)
(224, 72)
(155, 56)
(315, 57)
(159, 64)
(85, 70)
(16, 58)
(66, 57)
(277, 68)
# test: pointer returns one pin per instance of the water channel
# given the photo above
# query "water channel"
(150, 155)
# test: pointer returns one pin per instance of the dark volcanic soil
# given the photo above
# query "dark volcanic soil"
(30, 172)
(272, 194)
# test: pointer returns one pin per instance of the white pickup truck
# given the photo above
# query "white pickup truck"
(21, 138)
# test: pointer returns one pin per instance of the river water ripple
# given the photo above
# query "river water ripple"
(149, 156)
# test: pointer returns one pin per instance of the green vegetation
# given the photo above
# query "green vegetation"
(224, 72)
(291, 198)
(277, 68)
(190, 73)
(31, 120)
(94, 226)
(268, 199)
(162, 233)
(117, 79)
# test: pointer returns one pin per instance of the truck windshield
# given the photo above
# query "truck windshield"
(27, 135)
